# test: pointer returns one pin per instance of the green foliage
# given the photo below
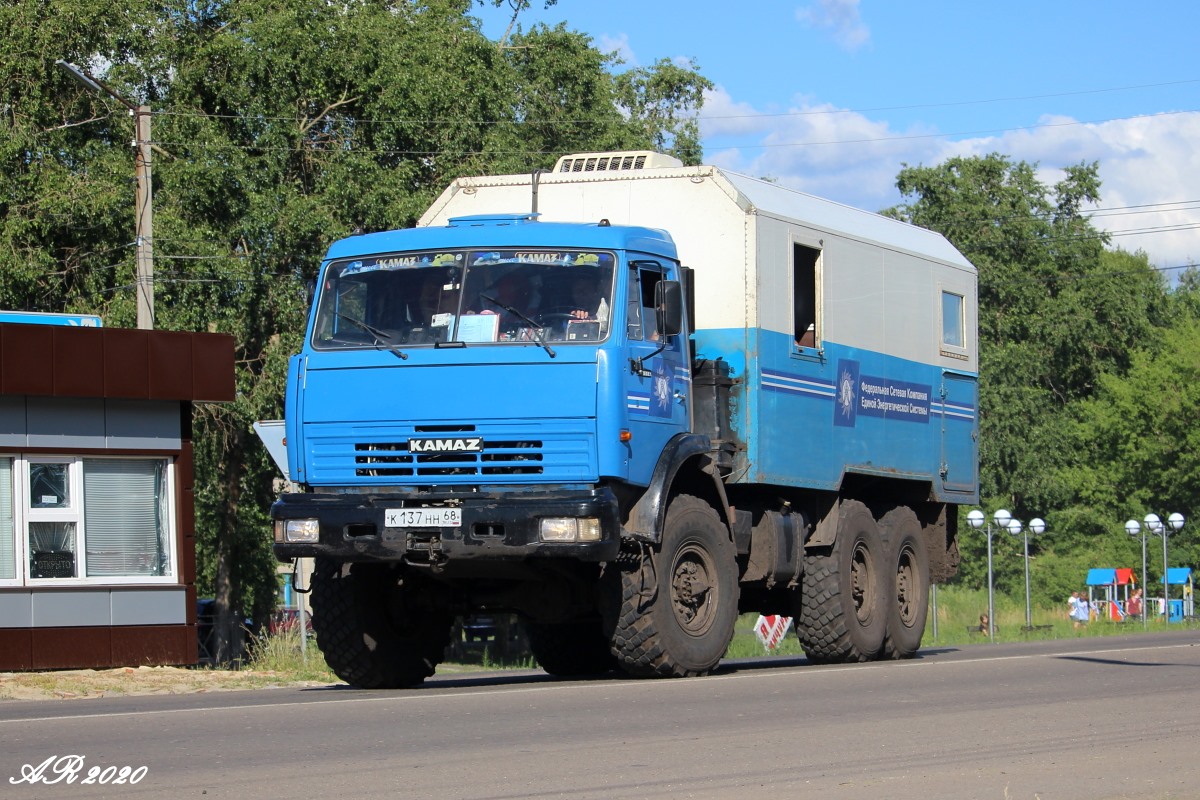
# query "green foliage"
(285, 652)
(1087, 370)
(1138, 446)
(1056, 310)
(280, 125)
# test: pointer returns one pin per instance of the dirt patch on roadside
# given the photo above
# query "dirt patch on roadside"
(127, 681)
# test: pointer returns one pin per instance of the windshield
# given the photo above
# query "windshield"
(471, 296)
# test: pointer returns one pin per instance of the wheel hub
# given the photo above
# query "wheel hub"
(692, 591)
(862, 586)
(906, 589)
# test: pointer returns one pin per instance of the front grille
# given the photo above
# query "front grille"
(393, 459)
(548, 451)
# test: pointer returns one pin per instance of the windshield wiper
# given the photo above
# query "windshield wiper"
(541, 329)
(380, 337)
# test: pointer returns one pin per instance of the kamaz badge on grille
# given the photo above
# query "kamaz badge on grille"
(473, 444)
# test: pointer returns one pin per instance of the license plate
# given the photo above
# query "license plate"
(424, 517)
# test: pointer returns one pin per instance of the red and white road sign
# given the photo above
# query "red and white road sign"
(770, 630)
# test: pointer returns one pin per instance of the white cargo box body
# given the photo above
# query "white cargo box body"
(885, 383)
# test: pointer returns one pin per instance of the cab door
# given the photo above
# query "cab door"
(658, 384)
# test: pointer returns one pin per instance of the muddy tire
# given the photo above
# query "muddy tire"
(371, 627)
(842, 613)
(908, 582)
(573, 648)
(673, 609)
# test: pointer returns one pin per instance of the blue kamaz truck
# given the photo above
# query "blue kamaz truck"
(628, 400)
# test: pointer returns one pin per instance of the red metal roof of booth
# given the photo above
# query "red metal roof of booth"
(60, 361)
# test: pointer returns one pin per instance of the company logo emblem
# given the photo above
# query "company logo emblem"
(469, 444)
(845, 405)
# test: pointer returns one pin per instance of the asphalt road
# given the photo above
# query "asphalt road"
(1080, 718)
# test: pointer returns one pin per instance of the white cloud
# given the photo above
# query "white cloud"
(618, 44)
(1148, 161)
(839, 16)
(850, 158)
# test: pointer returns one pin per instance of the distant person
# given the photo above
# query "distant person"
(1135, 606)
(985, 623)
(1083, 610)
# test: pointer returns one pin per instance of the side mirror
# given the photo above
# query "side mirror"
(310, 290)
(668, 307)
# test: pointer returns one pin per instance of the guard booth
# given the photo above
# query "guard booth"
(1178, 594)
(1109, 589)
(97, 522)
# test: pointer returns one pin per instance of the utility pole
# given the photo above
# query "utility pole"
(145, 221)
(144, 198)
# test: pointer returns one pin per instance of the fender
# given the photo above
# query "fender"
(647, 516)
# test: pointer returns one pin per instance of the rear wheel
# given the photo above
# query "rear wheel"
(908, 578)
(374, 629)
(676, 607)
(842, 613)
(571, 648)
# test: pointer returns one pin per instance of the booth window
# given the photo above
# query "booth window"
(8, 538)
(95, 519)
(52, 509)
(124, 505)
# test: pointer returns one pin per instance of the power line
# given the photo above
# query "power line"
(341, 149)
(914, 136)
(698, 117)
(949, 104)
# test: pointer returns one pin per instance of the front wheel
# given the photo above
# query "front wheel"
(676, 607)
(374, 630)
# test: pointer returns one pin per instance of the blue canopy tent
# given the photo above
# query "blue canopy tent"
(1183, 605)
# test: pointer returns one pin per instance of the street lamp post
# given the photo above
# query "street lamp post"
(976, 520)
(1154, 524)
(1173, 525)
(1037, 527)
(1134, 528)
(143, 199)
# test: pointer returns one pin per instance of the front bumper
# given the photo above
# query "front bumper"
(499, 526)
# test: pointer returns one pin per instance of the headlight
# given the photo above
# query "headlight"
(569, 529)
(297, 530)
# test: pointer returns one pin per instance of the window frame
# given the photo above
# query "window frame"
(805, 278)
(72, 513)
(23, 514)
(18, 551)
(957, 351)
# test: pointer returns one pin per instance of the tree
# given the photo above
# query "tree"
(1138, 449)
(654, 99)
(282, 125)
(1060, 316)
(1056, 310)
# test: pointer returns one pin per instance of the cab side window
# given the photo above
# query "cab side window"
(644, 276)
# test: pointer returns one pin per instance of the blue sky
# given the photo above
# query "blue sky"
(833, 97)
